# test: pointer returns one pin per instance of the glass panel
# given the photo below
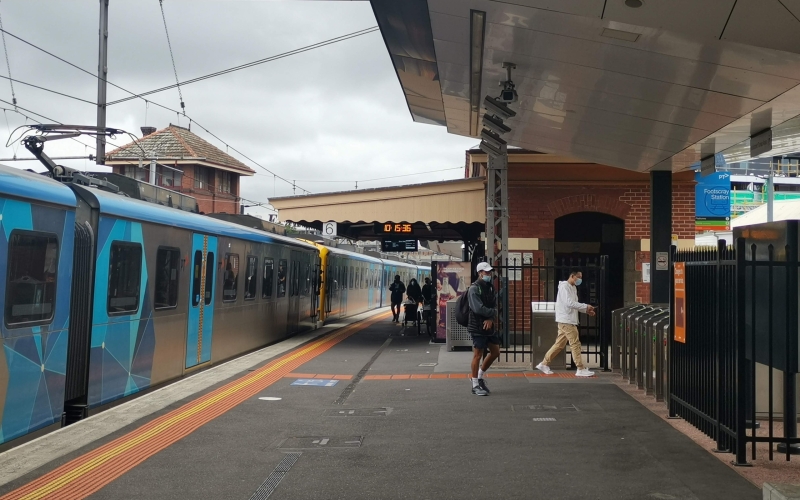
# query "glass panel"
(251, 278)
(230, 278)
(266, 280)
(282, 278)
(32, 271)
(124, 277)
(209, 277)
(196, 275)
(167, 262)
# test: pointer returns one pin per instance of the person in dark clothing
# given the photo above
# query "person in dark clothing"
(428, 292)
(397, 289)
(413, 291)
(481, 327)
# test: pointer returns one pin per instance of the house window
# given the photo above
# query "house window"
(134, 172)
(201, 178)
(223, 181)
(168, 178)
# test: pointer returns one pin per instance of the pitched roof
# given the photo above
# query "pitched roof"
(176, 142)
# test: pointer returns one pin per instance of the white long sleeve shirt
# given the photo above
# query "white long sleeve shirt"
(567, 305)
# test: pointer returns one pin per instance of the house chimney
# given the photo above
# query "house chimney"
(147, 131)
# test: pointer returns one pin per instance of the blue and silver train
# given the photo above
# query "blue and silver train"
(104, 296)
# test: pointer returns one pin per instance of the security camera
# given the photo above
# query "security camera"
(495, 124)
(498, 108)
(508, 94)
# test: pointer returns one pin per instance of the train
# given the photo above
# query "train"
(104, 296)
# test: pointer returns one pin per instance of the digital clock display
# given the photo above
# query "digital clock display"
(394, 228)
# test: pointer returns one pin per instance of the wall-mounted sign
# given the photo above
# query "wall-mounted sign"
(329, 229)
(399, 245)
(394, 228)
(680, 302)
(712, 202)
(662, 261)
(645, 272)
(761, 143)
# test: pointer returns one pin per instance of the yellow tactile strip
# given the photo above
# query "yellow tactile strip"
(416, 376)
(88, 473)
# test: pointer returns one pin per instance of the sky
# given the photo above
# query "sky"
(324, 118)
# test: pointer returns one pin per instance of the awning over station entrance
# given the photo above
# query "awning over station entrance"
(447, 210)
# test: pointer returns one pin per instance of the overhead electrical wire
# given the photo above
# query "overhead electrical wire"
(191, 120)
(8, 64)
(169, 44)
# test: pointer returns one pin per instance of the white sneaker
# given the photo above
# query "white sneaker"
(544, 369)
(584, 372)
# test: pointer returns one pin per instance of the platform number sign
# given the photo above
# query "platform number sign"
(329, 229)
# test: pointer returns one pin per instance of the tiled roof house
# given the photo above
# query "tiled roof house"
(196, 167)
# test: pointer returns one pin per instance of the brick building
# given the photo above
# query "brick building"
(562, 209)
(185, 163)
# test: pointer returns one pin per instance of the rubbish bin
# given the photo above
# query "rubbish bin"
(457, 335)
(544, 331)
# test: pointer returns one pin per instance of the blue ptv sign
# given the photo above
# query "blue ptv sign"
(713, 202)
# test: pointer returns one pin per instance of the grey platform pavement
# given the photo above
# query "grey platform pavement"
(398, 428)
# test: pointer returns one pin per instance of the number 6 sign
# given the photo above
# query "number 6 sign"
(329, 229)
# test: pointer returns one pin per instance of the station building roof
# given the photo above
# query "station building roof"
(653, 87)
(446, 210)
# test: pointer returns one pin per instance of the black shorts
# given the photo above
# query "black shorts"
(482, 341)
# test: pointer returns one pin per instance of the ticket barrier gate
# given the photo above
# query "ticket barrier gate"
(639, 346)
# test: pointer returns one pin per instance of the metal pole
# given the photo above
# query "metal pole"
(497, 209)
(102, 74)
(153, 172)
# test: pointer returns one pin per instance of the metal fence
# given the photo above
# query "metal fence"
(740, 312)
(524, 282)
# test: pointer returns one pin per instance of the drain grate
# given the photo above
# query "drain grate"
(268, 486)
(358, 412)
(320, 442)
(544, 419)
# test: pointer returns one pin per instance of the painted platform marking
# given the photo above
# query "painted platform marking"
(316, 382)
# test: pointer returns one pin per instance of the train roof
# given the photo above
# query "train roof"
(32, 186)
(354, 255)
(398, 263)
(129, 208)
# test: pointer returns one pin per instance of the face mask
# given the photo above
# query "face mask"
(487, 278)
(578, 282)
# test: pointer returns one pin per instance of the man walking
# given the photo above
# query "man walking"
(567, 308)
(482, 313)
(397, 289)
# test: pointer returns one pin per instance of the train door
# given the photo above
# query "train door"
(294, 291)
(201, 300)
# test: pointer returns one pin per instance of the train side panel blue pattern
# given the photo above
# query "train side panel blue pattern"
(33, 359)
(121, 358)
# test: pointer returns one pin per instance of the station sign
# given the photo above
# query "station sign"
(761, 143)
(399, 245)
(394, 228)
(712, 202)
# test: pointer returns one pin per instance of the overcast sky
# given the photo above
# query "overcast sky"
(332, 114)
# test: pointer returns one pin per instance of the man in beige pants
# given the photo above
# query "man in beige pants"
(567, 309)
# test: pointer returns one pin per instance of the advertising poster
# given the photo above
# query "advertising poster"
(680, 302)
(452, 281)
(713, 202)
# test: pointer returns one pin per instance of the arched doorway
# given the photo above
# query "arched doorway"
(580, 240)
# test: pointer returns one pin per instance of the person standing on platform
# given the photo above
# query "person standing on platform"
(428, 292)
(567, 309)
(397, 289)
(414, 291)
(481, 327)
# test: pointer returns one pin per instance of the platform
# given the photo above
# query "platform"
(363, 412)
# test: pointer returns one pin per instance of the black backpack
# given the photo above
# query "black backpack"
(462, 307)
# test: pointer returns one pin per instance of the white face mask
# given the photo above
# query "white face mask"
(578, 281)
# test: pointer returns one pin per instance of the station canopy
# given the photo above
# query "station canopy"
(439, 211)
(637, 84)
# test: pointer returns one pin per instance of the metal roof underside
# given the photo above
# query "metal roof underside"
(656, 87)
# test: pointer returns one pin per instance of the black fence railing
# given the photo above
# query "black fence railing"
(522, 283)
(737, 325)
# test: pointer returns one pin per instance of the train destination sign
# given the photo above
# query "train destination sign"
(394, 228)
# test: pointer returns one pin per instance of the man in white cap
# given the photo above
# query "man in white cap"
(567, 309)
(482, 313)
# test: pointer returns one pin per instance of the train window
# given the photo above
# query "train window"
(32, 271)
(266, 278)
(282, 278)
(351, 282)
(167, 262)
(230, 277)
(124, 277)
(209, 277)
(197, 270)
(251, 278)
